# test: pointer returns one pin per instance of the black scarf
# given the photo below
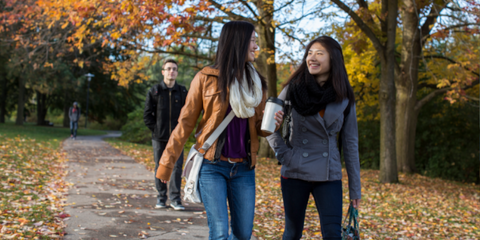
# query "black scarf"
(308, 97)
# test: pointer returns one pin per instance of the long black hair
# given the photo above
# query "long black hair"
(231, 56)
(338, 72)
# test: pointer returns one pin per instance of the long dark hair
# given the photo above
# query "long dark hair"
(231, 54)
(338, 72)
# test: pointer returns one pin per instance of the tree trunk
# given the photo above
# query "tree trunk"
(3, 98)
(266, 60)
(66, 107)
(406, 122)
(41, 108)
(388, 163)
(21, 101)
(407, 89)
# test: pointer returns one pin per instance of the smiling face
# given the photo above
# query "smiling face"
(318, 62)
(252, 48)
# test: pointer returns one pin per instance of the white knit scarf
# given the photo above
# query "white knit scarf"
(242, 100)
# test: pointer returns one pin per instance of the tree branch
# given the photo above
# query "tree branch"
(177, 53)
(198, 36)
(367, 30)
(298, 19)
(284, 6)
(452, 61)
(435, 93)
(214, 19)
(428, 24)
(230, 14)
(249, 8)
(290, 36)
(428, 35)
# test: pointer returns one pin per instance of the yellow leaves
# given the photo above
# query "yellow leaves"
(65, 25)
(116, 35)
(47, 64)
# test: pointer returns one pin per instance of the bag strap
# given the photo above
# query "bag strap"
(352, 215)
(218, 131)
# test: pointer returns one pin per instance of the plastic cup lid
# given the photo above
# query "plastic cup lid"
(275, 100)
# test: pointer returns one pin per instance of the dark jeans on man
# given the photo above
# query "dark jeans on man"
(328, 199)
(175, 179)
(73, 128)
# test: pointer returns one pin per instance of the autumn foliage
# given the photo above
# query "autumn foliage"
(33, 189)
(417, 208)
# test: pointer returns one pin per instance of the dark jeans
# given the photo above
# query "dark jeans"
(175, 179)
(328, 199)
(221, 182)
(73, 128)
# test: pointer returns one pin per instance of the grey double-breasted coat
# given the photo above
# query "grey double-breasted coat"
(314, 155)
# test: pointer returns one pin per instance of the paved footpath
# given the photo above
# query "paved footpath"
(113, 197)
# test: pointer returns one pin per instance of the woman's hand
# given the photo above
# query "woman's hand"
(356, 203)
(163, 181)
(279, 118)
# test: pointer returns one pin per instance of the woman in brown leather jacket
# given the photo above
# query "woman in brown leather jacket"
(227, 172)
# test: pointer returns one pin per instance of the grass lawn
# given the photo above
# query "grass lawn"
(41, 133)
(416, 208)
(32, 186)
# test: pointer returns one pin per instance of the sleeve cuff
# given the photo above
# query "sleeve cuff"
(164, 173)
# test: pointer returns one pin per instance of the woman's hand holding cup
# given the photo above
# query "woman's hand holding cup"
(279, 118)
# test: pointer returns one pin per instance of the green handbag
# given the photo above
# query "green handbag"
(350, 232)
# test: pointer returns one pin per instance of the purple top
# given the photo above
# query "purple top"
(235, 137)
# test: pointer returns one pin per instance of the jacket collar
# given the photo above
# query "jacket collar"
(332, 113)
(164, 86)
(210, 71)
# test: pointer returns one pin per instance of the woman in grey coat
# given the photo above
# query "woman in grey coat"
(322, 105)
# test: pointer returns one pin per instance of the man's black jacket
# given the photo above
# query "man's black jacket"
(162, 109)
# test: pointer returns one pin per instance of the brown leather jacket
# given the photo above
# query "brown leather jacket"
(205, 95)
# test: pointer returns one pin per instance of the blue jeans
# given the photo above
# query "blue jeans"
(219, 182)
(73, 128)
(328, 199)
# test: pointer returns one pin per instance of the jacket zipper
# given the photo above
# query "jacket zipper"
(170, 110)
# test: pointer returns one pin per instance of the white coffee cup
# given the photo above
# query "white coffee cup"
(272, 106)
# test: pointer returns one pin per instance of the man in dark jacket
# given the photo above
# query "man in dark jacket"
(162, 109)
(74, 115)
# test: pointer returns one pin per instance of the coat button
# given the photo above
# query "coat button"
(302, 118)
(305, 141)
(304, 129)
(324, 141)
(305, 154)
(325, 154)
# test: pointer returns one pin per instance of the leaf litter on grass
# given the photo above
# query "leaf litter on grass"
(32, 189)
(418, 207)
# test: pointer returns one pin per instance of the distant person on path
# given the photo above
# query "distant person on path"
(162, 108)
(322, 106)
(227, 172)
(74, 115)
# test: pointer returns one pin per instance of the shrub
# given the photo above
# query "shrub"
(135, 130)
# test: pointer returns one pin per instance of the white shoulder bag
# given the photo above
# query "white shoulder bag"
(194, 163)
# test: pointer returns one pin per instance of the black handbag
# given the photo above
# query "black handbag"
(350, 232)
